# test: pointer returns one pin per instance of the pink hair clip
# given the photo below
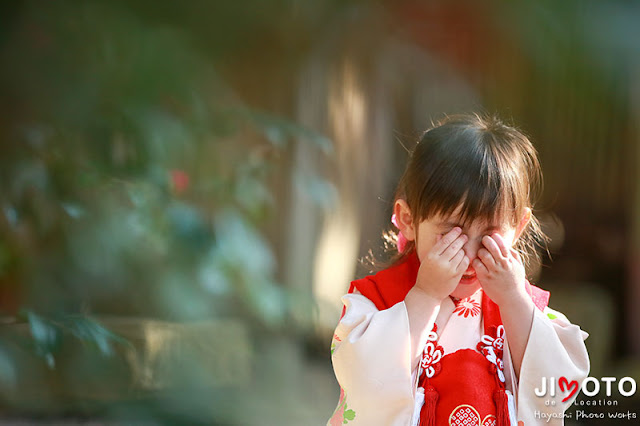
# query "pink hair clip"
(402, 240)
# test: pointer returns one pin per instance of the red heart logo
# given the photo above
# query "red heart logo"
(571, 387)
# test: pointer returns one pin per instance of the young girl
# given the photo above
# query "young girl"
(453, 333)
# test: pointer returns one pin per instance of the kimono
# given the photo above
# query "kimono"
(465, 375)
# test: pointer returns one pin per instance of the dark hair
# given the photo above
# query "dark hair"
(477, 162)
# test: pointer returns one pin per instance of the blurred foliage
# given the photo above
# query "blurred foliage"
(133, 180)
(47, 334)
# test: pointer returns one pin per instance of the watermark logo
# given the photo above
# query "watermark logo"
(590, 387)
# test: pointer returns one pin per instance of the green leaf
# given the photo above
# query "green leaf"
(349, 415)
(74, 211)
(45, 335)
(89, 330)
(551, 316)
(41, 331)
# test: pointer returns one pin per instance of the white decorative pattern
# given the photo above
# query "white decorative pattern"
(464, 415)
(490, 420)
(467, 307)
(493, 349)
(430, 358)
(498, 341)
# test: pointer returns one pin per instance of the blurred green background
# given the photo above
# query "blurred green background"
(186, 187)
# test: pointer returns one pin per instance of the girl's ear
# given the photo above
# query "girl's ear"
(404, 219)
(526, 217)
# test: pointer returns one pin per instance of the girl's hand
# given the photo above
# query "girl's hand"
(443, 266)
(499, 269)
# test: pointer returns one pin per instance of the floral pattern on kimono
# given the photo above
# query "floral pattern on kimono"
(343, 414)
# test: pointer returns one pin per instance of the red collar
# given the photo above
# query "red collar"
(391, 285)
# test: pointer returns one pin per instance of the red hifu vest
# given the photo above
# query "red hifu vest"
(461, 388)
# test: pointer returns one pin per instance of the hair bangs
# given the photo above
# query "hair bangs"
(469, 181)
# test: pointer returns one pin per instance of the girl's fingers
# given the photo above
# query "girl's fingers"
(450, 252)
(487, 258)
(440, 246)
(461, 260)
(455, 260)
(491, 246)
(479, 267)
(505, 249)
(517, 256)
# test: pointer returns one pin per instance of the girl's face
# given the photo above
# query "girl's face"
(429, 231)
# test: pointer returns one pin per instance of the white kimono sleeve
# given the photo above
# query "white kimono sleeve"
(555, 349)
(372, 360)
